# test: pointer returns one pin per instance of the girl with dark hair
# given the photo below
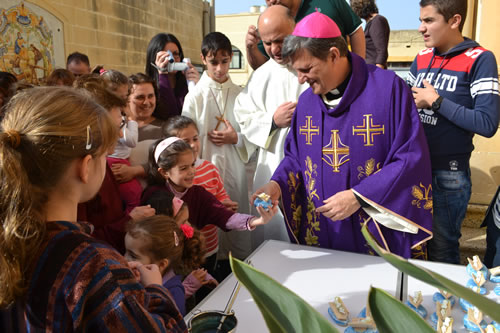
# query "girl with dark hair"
(172, 86)
(172, 169)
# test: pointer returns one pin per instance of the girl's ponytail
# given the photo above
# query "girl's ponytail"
(193, 254)
(43, 131)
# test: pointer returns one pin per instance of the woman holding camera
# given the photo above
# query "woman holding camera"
(172, 86)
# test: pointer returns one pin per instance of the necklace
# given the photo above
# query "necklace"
(220, 118)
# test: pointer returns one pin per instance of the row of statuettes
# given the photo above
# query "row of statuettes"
(441, 320)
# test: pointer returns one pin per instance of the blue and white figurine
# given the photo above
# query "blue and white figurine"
(495, 326)
(442, 295)
(497, 290)
(495, 275)
(362, 324)
(465, 304)
(474, 286)
(415, 303)
(473, 318)
(475, 265)
(263, 200)
(338, 312)
(445, 326)
(443, 310)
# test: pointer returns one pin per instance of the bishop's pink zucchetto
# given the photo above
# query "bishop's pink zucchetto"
(317, 25)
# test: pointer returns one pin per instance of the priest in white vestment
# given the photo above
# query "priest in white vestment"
(264, 110)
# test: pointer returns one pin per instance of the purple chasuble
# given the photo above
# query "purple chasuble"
(373, 143)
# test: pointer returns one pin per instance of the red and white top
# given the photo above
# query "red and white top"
(208, 176)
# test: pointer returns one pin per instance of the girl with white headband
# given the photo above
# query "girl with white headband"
(172, 169)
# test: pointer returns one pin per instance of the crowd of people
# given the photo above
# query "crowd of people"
(123, 196)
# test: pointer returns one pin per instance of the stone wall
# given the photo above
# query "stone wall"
(115, 33)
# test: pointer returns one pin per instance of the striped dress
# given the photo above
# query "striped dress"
(207, 176)
(81, 284)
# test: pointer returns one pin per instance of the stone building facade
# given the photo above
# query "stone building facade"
(115, 33)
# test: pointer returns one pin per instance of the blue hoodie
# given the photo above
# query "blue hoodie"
(467, 78)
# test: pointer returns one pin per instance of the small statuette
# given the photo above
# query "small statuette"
(362, 324)
(477, 282)
(475, 265)
(263, 200)
(443, 310)
(445, 326)
(491, 329)
(415, 303)
(465, 304)
(495, 275)
(442, 295)
(338, 311)
(497, 290)
(473, 320)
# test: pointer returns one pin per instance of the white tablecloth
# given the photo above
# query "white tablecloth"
(318, 275)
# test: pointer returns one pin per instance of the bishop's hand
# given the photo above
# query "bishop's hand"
(272, 189)
(339, 206)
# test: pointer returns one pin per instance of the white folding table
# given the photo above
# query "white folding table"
(317, 275)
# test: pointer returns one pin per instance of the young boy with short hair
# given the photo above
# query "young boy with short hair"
(210, 104)
(455, 87)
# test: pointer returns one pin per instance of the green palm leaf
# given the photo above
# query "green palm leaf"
(282, 309)
(390, 315)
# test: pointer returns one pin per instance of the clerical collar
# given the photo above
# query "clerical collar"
(339, 91)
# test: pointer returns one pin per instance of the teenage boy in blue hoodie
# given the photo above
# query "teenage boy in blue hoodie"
(455, 87)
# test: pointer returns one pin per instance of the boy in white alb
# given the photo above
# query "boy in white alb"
(210, 104)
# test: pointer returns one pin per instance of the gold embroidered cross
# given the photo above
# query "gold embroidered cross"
(368, 130)
(309, 130)
(220, 120)
(338, 151)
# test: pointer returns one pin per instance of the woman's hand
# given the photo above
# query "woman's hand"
(162, 60)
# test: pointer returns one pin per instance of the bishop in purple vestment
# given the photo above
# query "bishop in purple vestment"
(356, 152)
